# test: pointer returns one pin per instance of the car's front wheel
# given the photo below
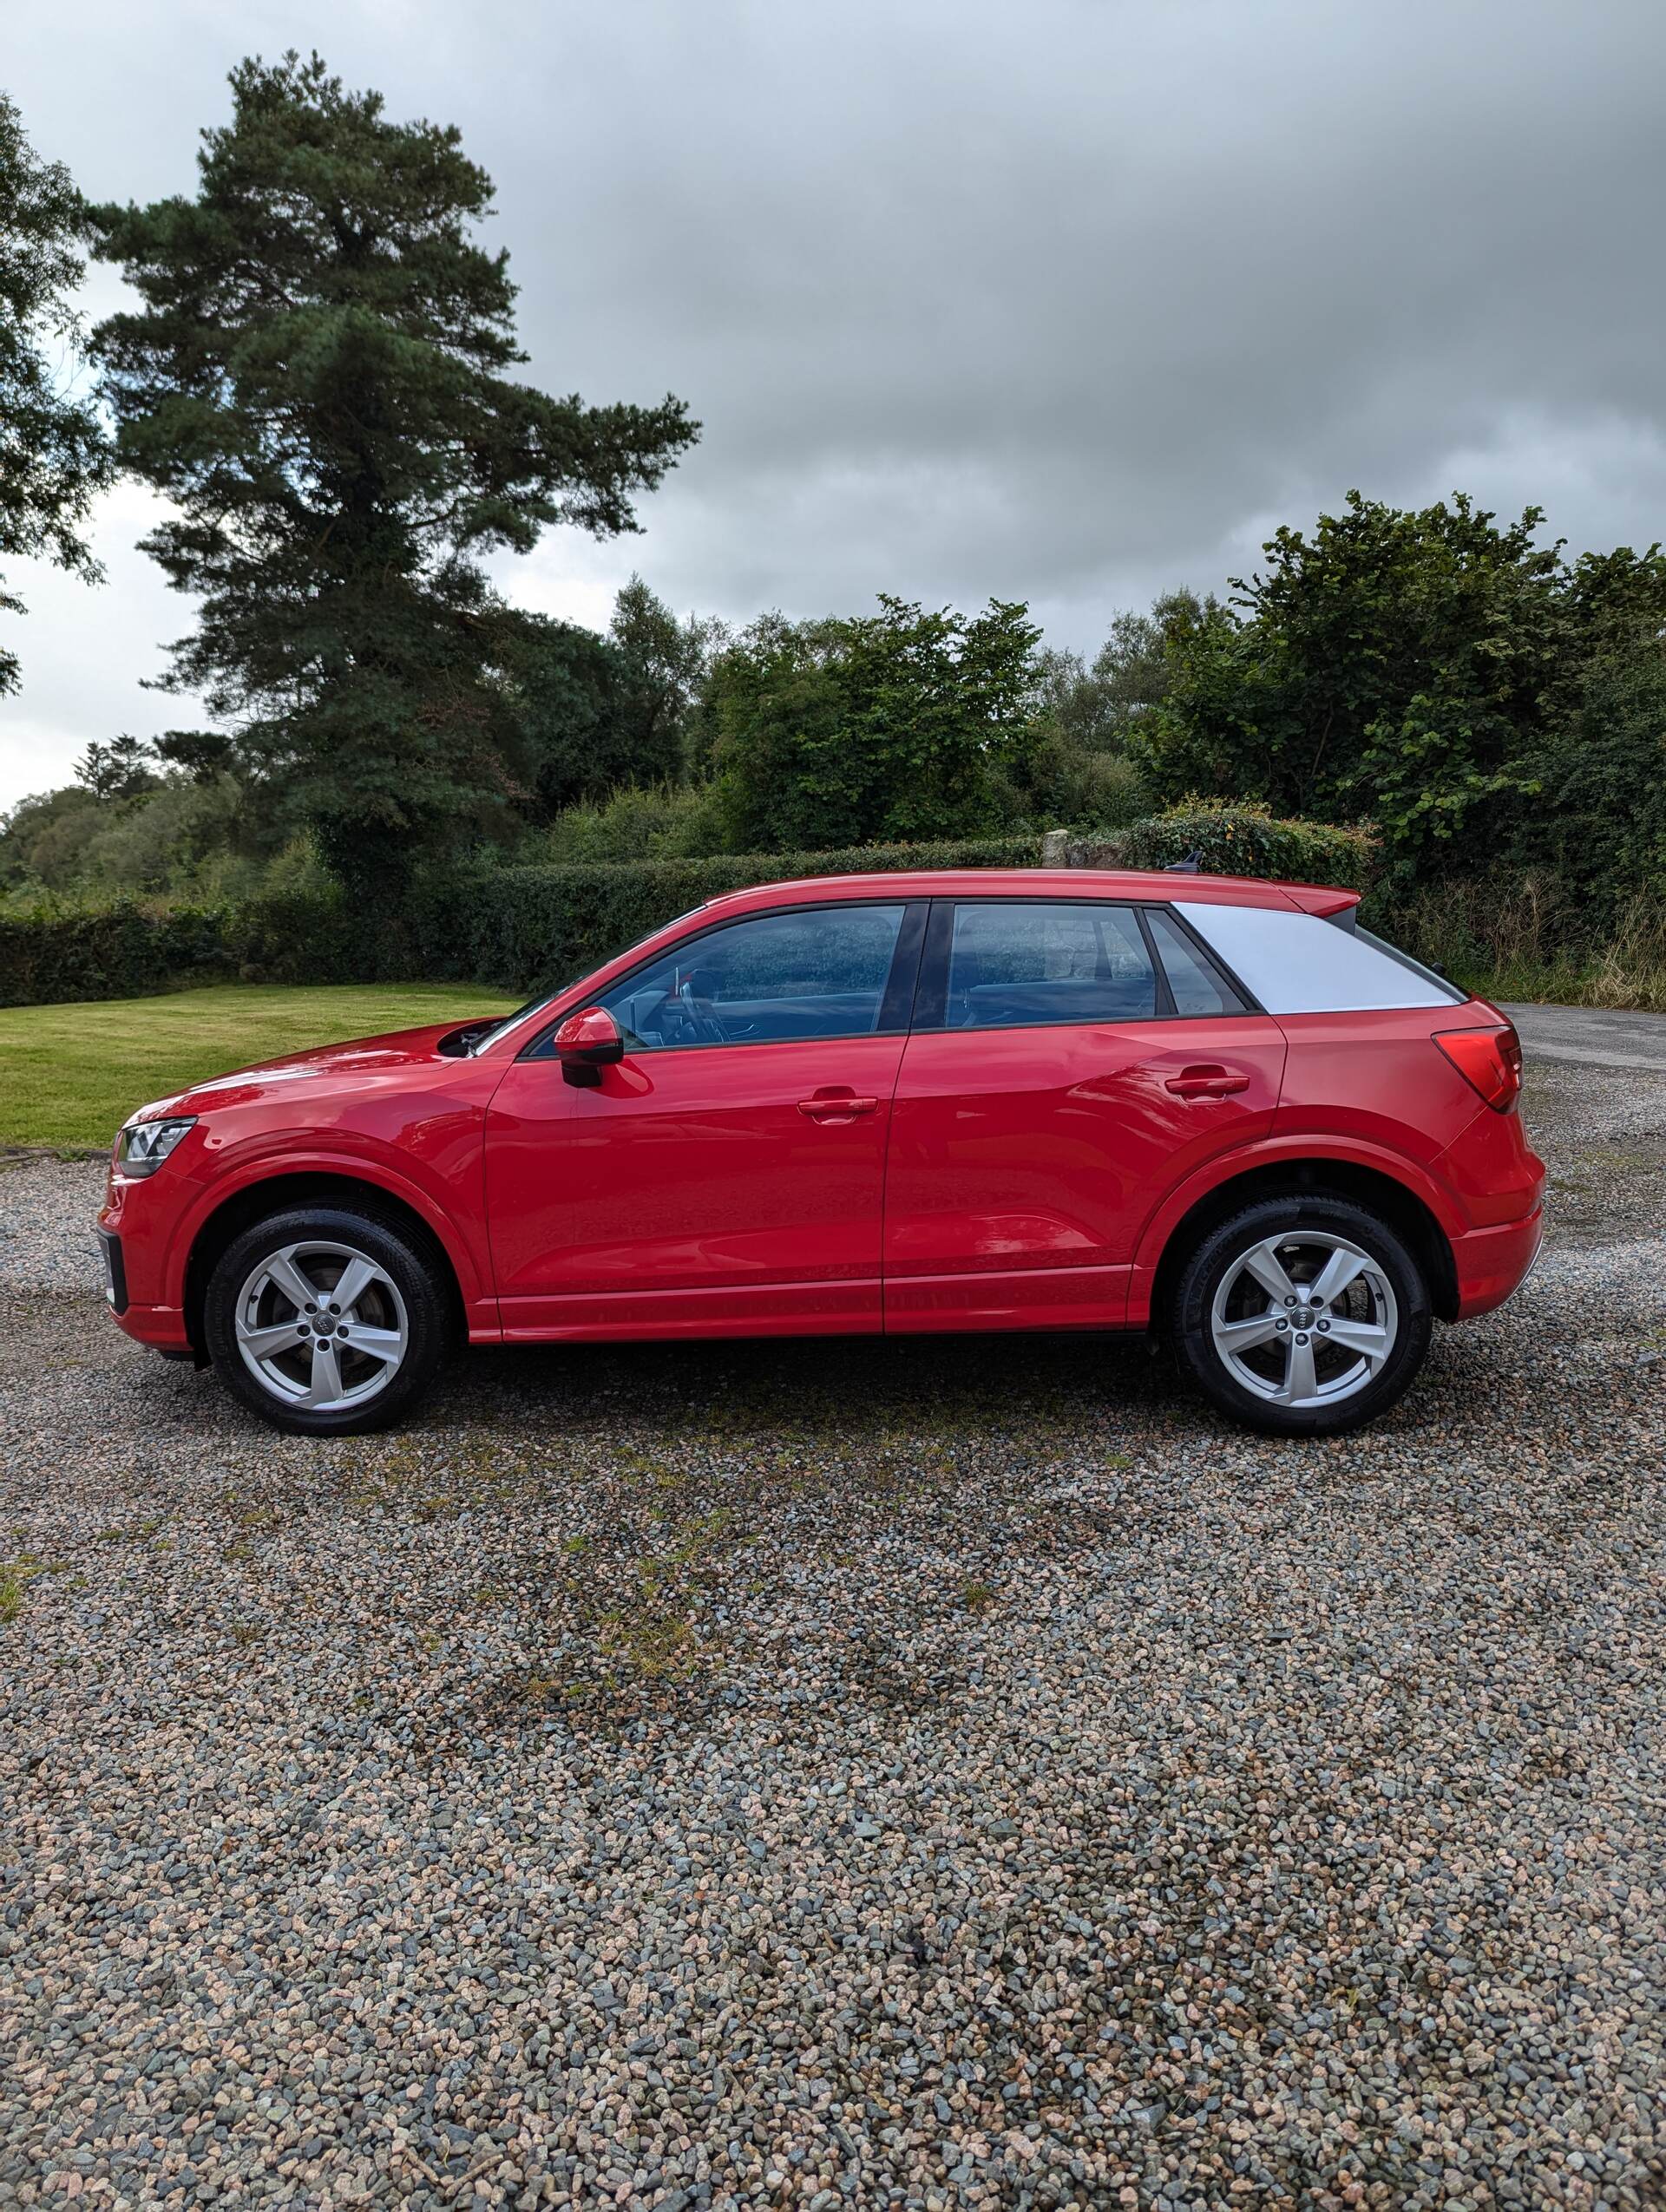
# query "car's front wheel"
(327, 1322)
(1304, 1316)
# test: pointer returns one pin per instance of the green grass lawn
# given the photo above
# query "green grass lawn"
(71, 1075)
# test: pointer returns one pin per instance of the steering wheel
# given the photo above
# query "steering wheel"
(697, 1012)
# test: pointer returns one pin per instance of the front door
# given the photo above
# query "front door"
(727, 1175)
(1071, 1061)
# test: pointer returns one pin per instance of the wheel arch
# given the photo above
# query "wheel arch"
(255, 1202)
(1410, 1217)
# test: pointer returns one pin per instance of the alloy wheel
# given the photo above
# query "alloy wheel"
(1304, 1319)
(321, 1325)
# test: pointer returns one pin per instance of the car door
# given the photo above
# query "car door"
(726, 1175)
(1070, 1061)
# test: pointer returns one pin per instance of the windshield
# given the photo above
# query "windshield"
(547, 997)
(501, 1027)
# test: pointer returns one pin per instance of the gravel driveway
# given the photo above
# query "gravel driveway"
(926, 1774)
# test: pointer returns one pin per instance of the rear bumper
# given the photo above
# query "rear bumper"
(1494, 1263)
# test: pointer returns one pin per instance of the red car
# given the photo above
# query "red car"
(866, 1105)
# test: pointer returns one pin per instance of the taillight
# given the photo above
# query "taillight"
(1488, 1059)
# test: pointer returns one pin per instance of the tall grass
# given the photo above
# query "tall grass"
(1526, 937)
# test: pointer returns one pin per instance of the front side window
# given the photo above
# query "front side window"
(771, 979)
(1013, 963)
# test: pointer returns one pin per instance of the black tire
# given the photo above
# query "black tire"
(1217, 1259)
(415, 1270)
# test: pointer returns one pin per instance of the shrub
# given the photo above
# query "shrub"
(1236, 840)
(1095, 790)
(114, 952)
(1532, 936)
(662, 821)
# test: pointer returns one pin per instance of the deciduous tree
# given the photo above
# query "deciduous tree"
(1425, 670)
(903, 724)
(54, 452)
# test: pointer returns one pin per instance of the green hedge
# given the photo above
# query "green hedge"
(515, 928)
(1239, 840)
(519, 927)
(522, 927)
(127, 949)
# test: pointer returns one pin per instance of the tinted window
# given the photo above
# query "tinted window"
(1197, 984)
(1296, 964)
(1429, 975)
(809, 972)
(1014, 962)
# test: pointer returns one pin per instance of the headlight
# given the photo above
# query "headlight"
(142, 1146)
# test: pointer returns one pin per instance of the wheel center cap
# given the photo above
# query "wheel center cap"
(1303, 1317)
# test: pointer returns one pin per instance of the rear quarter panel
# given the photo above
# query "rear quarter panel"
(1373, 1090)
(1378, 1078)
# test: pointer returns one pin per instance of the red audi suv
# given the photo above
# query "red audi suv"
(865, 1105)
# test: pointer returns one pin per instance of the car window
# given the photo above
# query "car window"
(1013, 962)
(771, 979)
(1434, 977)
(1195, 984)
(478, 1043)
(1298, 964)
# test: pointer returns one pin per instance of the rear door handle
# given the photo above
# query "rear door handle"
(838, 1106)
(1206, 1083)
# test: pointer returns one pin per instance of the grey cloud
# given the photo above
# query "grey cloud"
(1067, 302)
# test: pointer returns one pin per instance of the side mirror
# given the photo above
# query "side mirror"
(586, 1043)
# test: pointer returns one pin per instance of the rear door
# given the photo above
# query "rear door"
(1070, 1061)
(726, 1176)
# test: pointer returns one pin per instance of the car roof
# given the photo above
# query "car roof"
(1038, 883)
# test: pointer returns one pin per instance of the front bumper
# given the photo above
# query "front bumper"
(160, 1326)
(133, 1230)
(1492, 1264)
(115, 1271)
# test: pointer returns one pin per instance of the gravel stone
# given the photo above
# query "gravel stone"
(929, 1774)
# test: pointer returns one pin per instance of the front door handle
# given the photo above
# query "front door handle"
(837, 1106)
(1210, 1081)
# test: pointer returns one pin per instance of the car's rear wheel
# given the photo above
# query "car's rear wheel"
(327, 1322)
(1304, 1316)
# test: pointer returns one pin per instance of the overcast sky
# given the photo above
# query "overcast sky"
(1067, 301)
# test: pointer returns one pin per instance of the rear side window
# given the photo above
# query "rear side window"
(1014, 963)
(1195, 983)
(1298, 964)
(1394, 953)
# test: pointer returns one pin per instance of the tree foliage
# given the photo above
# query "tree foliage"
(1597, 784)
(54, 452)
(665, 665)
(593, 713)
(319, 381)
(1417, 669)
(119, 770)
(899, 725)
(1097, 706)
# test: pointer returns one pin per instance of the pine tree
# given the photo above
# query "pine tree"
(319, 381)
